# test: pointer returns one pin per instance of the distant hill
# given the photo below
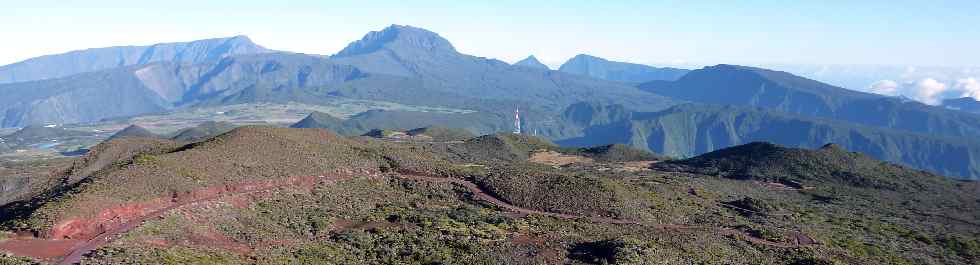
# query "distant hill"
(424, 134)
(830, 163)
(90, 60)
(596, 67)
(404, 120)
(204, 131)
(692, 129)
(617, 153)
(967, 104)
(531, 62)
(502, 147)
(784, 92)
(322, 120)
(441, 134)
(134, 131)
(478, 122)
(34, 134)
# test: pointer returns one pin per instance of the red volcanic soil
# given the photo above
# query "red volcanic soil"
(114, 217)
(72, 238)
(39, 248)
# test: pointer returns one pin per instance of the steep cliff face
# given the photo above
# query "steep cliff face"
(692, 129)
(784, 92)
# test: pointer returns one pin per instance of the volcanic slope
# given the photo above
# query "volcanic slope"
(596, 67)
(281, 195)
(788, 93)
(134, 131)
(90, 60)
(480, 122)
(435, 65)
(690, 129)
(203, 131)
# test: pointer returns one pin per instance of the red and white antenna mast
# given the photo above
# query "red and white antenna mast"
(517, 120)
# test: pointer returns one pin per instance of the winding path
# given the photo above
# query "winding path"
(76, 252)
(799, 239)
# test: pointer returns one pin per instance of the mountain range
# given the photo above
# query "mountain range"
(410, 65)
(691, 129)
(784, 92)
(162, 86)
(75, 62)
(596, 67)
(967, 104)
(400, 64)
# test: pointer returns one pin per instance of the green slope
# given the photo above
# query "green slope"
(784, 92)
(689, 130)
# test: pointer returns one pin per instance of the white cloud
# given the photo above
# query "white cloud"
(968, 87)
(926, 90)
(884, 87)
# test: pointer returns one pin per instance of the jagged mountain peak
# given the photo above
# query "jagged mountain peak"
(532, 62)
(398, 37)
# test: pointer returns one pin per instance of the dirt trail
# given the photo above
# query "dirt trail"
(480, 194)
(68, 251)
(799, 239)
(75, 256)
(39, 248)
(74, 250)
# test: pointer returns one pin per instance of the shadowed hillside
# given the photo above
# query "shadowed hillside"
(830, 163)
(203, 131)
(480, 122)
(692, 129)
(784, 92)
(134, 131)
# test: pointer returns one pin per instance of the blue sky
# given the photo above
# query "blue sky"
(940, 33)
